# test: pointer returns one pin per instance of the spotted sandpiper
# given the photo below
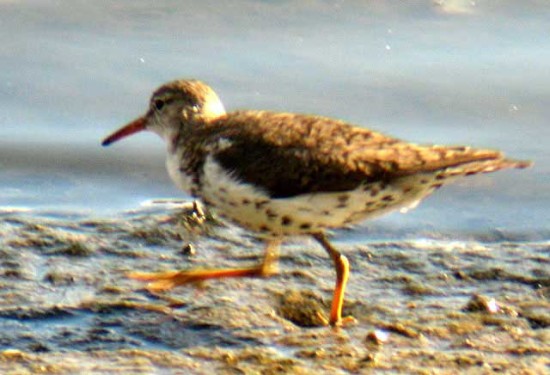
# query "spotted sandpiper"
(286, 174)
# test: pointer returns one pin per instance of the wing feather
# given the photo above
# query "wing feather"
(291, 154)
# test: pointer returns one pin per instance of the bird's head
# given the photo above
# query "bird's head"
(173, 106)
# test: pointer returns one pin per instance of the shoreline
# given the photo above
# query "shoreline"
(67, 306)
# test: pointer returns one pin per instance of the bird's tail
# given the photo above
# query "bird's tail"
(484, 166)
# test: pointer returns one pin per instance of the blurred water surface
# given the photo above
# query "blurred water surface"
(454, 72)
(76, 217)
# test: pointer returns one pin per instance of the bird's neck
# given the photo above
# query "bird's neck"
(172, 143)
(183, 154)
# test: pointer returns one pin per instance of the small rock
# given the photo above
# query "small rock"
(401, 329)
(59, 278)
(377, 337)
(74, 249)
(484, 304)
(188, 250)
(303, 308)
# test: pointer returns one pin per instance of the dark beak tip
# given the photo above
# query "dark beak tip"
(135, 126)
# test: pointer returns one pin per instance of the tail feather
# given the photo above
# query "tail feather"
(484, 166)
(458, 160)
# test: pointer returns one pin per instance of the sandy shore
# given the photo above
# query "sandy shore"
(421, 306)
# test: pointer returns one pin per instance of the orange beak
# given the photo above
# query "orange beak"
(135, 126)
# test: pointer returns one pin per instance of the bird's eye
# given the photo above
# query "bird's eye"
(158, 103)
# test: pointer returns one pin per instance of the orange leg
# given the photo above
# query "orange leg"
(159, 281)
(341, 264)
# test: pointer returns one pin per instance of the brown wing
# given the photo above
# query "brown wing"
(290, 154)
(283, 172)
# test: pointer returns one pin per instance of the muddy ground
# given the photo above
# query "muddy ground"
(421, 306)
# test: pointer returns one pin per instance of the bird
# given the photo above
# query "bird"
(280, 175)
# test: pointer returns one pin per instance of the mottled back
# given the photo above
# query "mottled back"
(291, 154)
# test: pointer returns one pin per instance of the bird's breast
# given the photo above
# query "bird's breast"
(181, 179)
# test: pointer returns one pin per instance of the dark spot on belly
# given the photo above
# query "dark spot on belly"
(343, 198)
(326, 212)
(424, 181)
(374, 191)
(437, 186)
(305, 226)
(270, 214)
(440, 177)
(285, 220)
(470, 173)
(407, 189)
(245, 201)
(233, 204)
(264, 228)
(342, 201)
(260, 204)
(388, 198)
(369, 204)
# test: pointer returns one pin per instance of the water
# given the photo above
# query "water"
(454, 73)
(449, 72)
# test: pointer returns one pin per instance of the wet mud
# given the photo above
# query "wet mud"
(420, 306)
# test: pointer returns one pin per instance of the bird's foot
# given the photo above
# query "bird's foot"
(346, 321)
(162, 281)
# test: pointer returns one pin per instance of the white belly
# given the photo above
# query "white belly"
(307, 213)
